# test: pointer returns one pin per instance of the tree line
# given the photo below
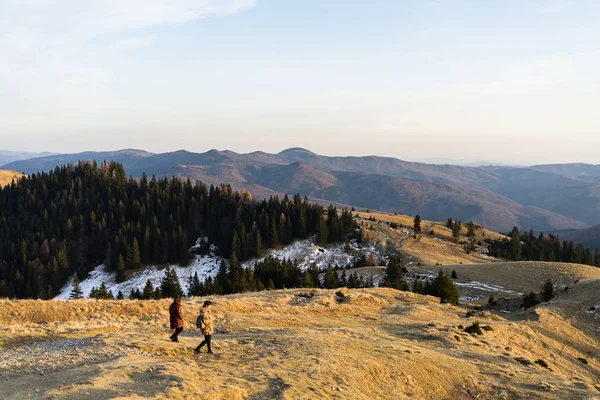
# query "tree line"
(529, 247)
(75, 217)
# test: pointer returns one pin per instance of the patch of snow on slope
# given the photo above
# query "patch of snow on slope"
(488, 287)
(205, 266)
(304, 251)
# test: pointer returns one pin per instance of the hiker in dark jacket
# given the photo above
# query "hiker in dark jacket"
(207, 325)
(176, 318)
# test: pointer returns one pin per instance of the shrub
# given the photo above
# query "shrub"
(487, 328)
(583, 360)
(470, 314)
(542, 363)
(453, 275)
(492, 300)
(474, 329)
(306, 295)
(461, 327)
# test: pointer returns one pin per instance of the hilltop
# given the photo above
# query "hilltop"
(6, 177)
(301, 344)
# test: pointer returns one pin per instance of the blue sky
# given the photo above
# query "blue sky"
(510, 81)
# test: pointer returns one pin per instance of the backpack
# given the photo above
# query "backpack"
(200, 321)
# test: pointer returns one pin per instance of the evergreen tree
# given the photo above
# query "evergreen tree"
(148, 292)
(273, 235)
(418, 286)
(597, 258)
(307, 280)
(120, 270)
(515, 245)
(258, 245)
(444, 288)
(76, 292)
(270, 285)
(394, 275)
(470, 229)
(120, 295)
(330, 281)
(322, 237)
(170, 286)
(133, 255)
(547, 290)
(450, 223)
(417, 225)
(456, 228)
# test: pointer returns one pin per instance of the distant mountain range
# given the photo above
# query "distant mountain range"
(544, 197)
(10, 156)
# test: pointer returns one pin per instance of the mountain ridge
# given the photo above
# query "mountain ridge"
(559, 201)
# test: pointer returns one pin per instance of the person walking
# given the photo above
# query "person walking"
(176, 317)
(206, 324)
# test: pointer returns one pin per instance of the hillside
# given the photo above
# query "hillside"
(497, 197)
(575, 170)
(6, 177)
(371, 343)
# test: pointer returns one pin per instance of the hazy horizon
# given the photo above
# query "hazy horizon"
(501, 82)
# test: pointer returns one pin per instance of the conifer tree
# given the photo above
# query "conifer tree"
(456, 228)
(330, 280)
(270, 285)
(76, 292)
(322, 237)
(148, 292)
(120, 270)
(133, 255)
(170, 286)
(307, 280)
(258, 245)
(547, 290)
(120, 295)
(597, 258)
(417, 225)
(274, 236)
(470, 229)
(449, 223)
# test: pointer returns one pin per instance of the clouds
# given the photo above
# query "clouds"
(53, 46)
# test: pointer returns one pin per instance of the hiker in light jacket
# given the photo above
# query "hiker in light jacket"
(207, 326)
(176, 317)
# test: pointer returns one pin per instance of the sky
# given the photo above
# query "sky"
(507, 81)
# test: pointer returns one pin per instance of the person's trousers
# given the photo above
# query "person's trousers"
(177, 332)
(206, 342)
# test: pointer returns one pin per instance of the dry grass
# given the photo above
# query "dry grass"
(6, 177)
(427, 249)
(380, 343)
(522, 276)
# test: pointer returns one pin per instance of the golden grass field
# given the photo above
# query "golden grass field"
(426, 248)
(371, 344)
(6, 177)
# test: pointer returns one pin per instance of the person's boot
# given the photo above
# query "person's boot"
(209, 351)
(197, 349)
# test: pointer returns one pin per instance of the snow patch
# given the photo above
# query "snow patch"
(205, 266)
(305, 252)
(488, 287)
